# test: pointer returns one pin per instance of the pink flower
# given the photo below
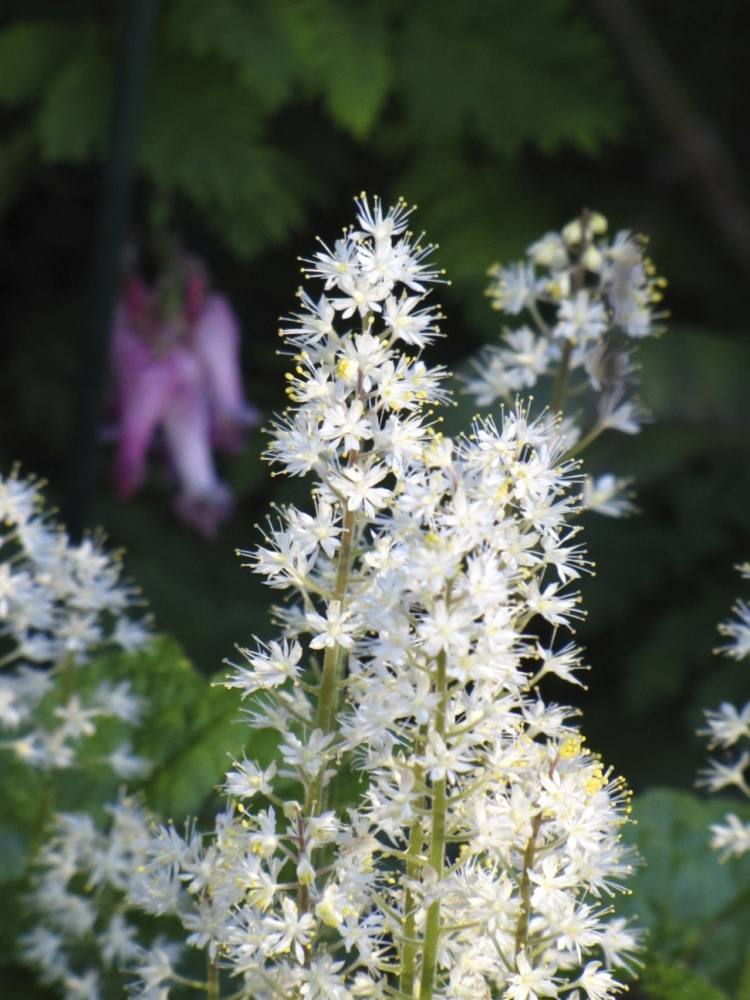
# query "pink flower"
(180, 375)
(215, 339)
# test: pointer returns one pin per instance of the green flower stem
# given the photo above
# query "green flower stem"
(529, 855)
(332, 660)
(537, 317)
(585, 441)
(192, 984)
(522, 927)
(212, 986)
(561, 379)
(437, 845)
(413, 854)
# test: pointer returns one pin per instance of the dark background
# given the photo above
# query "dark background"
(259, 121)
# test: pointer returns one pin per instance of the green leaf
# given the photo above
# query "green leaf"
(190, 729)
(665, 980)
(22, 792)
(73, 118)
(545, 77)
(29, 53)
(342, 50)
(12, 852)
(249, 36)
(202, 138)
(696, 910)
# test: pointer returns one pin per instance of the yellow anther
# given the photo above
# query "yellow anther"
(571, 746)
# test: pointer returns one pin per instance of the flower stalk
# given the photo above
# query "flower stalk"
(437, 840)
(410, 943)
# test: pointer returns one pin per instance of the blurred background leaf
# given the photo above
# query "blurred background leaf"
(696, 910)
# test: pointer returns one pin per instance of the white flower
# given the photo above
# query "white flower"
(382, 227)
(310, 756)
(289, 931)
(514, 287)
(359, 488)
(13, 711)
(154, 966)
(126, 764)
(624, 415)
(77, 720)
(738, 632)
(425, 595)
(580, 319)
(19, 499)
(606, 495)
(720, 775)
(597, 983)
(346, 425)
(247, 779)
(85, 986)
(528, 358)
(555, 607)
(732, 838)
(336, 629)
(360, 295)
(529, 983)
(118, 941)
(409, 324)
(270, 665)
(549, 251)
(44, 948)
(727, 725)
(120, 701)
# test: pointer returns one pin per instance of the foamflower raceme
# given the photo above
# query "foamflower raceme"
(60, 604)
(728, 730)
(431, 827)
(577, 306)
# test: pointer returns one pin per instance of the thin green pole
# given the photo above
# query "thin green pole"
(107, 257)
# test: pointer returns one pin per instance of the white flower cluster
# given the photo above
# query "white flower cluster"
(726, 728)
(81, 877)
(585, 299)
(431, 827)
(60, 603)
(507, 826)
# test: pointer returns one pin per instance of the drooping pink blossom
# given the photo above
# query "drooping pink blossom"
(204, 501)
(177, 372)
(216, 341)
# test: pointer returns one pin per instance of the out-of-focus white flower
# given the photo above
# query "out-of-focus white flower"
(608, 495)
(586, 300)
(726, 727)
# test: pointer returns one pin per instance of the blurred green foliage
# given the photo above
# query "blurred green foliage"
(696, 909)
(224, 71)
